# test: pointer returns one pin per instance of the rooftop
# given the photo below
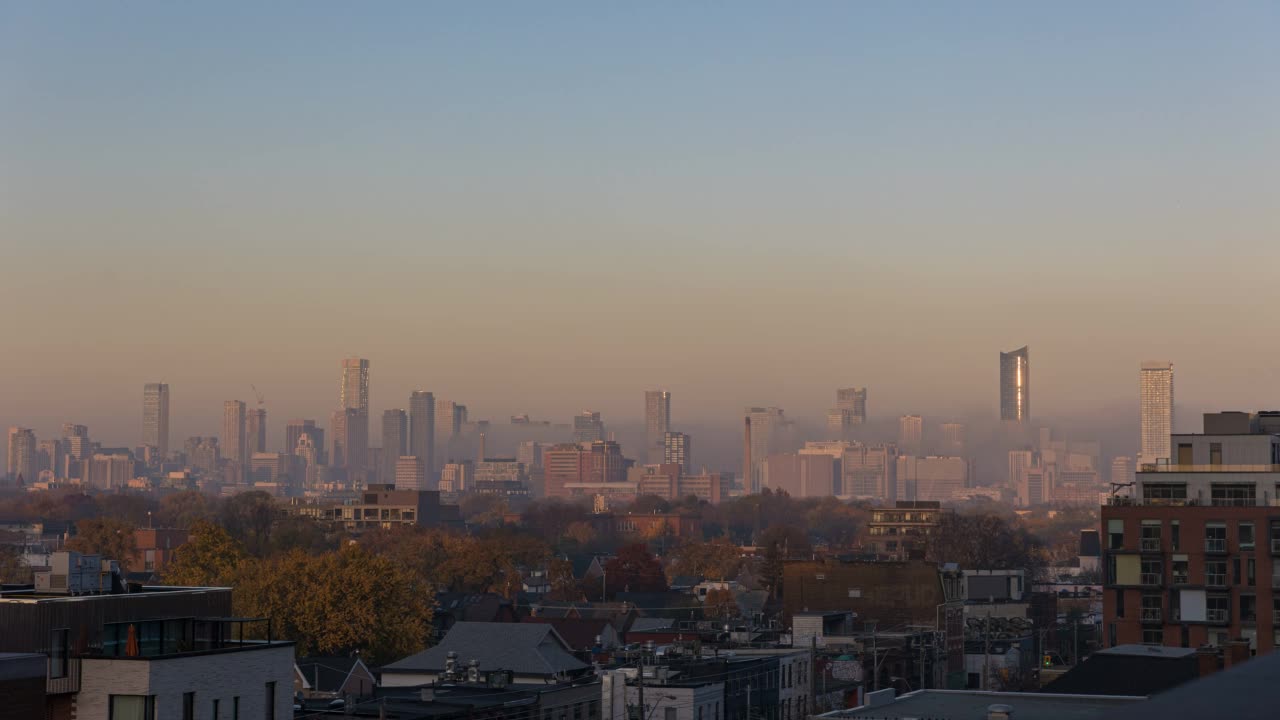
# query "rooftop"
(974, 704)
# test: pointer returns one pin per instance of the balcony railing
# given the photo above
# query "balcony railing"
(1215, 580)
(1217, 617)
(1275, 545)
(1151, 614)
(1181, 579)
(1171, 468)
(1151, 544)
(1149, 578)
(1215, 545)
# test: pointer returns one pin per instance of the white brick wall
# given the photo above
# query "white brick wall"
(224, 676)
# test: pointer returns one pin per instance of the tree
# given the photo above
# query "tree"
(209, 557)
(108, 537)
(582, 533)
(12, 568)
(718, 559)
(249, 518)
(564, 586)
(986, 542)
(649, 504)
(185, 509)
(720, 604)
(634, 569)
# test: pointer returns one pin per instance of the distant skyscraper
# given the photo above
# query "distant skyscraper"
(1122, 471)
(1015, 386)
(255, 433)
(677, 449)
(235, 446)
(78, 446)
(395, 441)
(911, 433)
(50, 457)
(953, 438)
(587, 427)
(448, 425)
(22, 454)
(1155, 389)
(855, 401)
(657, 421)
(763, 438)
(422, 428)
(203, 453)
(350, 440)
(355, 385)
(155, 417)
(295, 429)
(410, 473)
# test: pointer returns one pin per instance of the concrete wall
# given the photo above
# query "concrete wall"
(222, 675)
(685, 701)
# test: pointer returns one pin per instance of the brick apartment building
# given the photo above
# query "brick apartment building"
(1192, 557)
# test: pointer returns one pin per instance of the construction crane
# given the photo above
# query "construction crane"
(262, 400)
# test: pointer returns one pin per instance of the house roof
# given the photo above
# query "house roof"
(523, 648)
(974, 705)
(326, 674)
(579, 633)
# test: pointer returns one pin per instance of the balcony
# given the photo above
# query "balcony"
(1216, 616)
(1151, 615)
(1150, 544)
(1275, 546)
(1181, 579)
(1215, 545)
(1215, 580)
(1149, 579)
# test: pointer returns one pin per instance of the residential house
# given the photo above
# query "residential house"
(533, 652)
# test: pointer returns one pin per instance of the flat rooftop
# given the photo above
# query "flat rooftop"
(28, 594)
(973, 705)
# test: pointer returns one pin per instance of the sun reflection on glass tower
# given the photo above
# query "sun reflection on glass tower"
(1155, 389)
(1015, 385)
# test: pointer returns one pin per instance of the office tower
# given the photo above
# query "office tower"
(255, 432)
(1155, 391)
(567, 464)
(1015, 386)
(395, 441)
(109, 470)
(953, 438)
(49, 457)
(309, 456)
(295, 429)
(422, 428)
(587, 427)
(500, 476)
(448, 425)
(76, 441)
(1122, 471)
(456, 477)
(855, 401)
(203, 453)
(911, 433)
(801, 475)
(410, 473)
(764, 436)
(530, 455)
(677, 449)
(657, 421)
(155, 417)
(350, 440)
(871, 471)
(354, 392)
(932, 478)
(235, 446)
(22, 454)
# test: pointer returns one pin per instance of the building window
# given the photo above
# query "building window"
(59, 647)
(1175, 535)
(1115, 534)
(1119, 602)
(188, 706)
(1248, 608)
(131, 707)
(1215, 573)
(1151, 572)
(1215, 537)
(1250, 572)
(1218, 609)
(1246, 535)
(270, 711)
(1152, 636)
(1186, 636)
(1233, 494)
(1215, 453)
(1164, 493)
(1185, 457)
(1180, 572)
(1150, 536)
(1151, 609)
(1111, 634)
(235, 708)
(215, 710)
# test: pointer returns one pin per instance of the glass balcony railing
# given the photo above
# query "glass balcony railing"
(1215, 545)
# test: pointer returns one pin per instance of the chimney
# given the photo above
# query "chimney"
(1000, 712)
(481, 458)
(473, 671)
(1236, 652)
(1207, 660)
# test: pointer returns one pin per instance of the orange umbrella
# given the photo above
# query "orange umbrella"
(131, 643)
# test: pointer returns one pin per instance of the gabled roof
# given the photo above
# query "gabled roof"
(523, 648)
(578, 633)
(326, 674)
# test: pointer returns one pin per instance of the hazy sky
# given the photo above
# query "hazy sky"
(541, 207)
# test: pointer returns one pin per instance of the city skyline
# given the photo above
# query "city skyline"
(980, 143)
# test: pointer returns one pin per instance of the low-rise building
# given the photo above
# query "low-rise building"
(532, 652)
(902, 531)
(382, 506)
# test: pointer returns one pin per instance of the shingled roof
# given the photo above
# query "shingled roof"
(523, 648)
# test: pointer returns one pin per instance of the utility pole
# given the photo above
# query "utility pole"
(986, 651)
